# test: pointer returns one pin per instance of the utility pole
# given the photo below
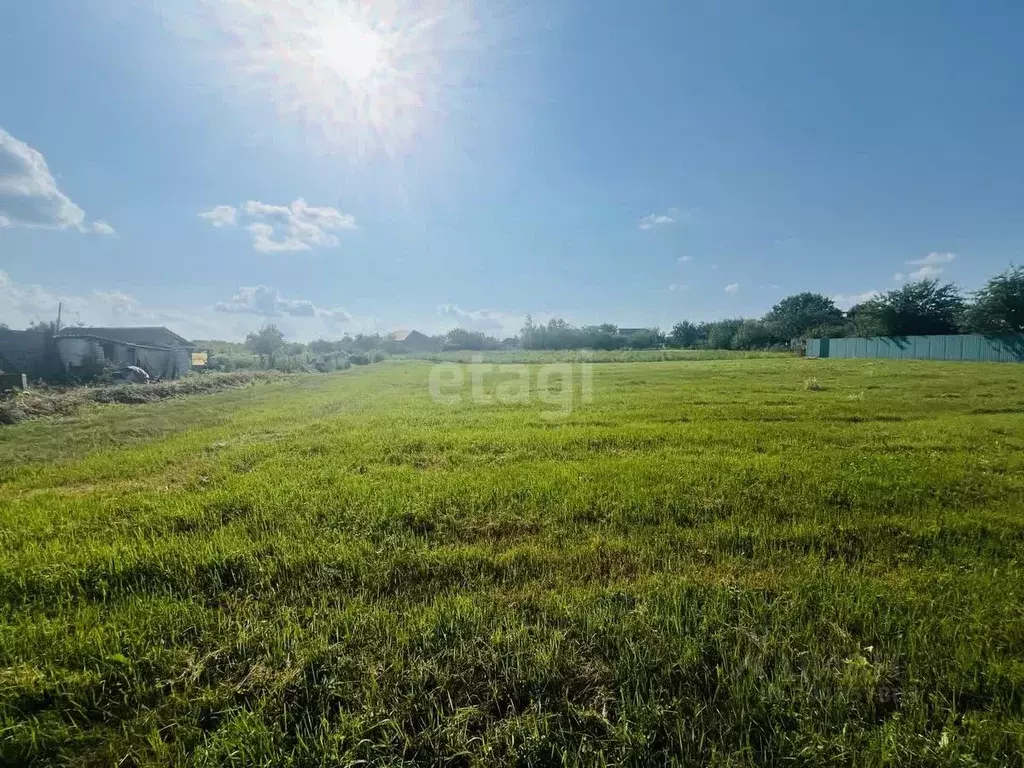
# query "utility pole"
(60, 306)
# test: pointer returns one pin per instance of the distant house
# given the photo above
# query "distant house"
(160, 352)
(412, 341)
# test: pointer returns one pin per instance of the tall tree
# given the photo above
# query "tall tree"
(999, 306)
(920, 308)
(753, 334)
(265, 342)
(684, 335)
(796, 315)
(722, 332)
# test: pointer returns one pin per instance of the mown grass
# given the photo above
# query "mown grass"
(540, 356)
(52, 401)
(710, 563)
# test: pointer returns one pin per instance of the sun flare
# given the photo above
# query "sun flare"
(365, 77)
(350, 48)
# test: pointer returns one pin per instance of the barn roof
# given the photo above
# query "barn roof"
(147, 336)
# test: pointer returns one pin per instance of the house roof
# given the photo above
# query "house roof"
(148, 336)
(403, 335)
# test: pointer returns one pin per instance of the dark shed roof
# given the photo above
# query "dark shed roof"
(156, 336)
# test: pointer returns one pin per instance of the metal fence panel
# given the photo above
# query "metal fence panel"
(971, 347)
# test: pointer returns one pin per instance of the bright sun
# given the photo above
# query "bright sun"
(364, 76)
(350, 48)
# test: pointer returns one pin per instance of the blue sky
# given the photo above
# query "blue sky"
(428, 164)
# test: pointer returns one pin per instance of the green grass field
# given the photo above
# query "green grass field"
(502, 356)
(730, 562)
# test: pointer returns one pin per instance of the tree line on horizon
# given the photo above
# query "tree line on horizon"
(923, 307)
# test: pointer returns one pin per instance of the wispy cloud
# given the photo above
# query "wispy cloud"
(283, 228)
(732, 288)
(652, 220)
(684, 259)
(486, 320)
(102, 228)
(679, 287)
(264, 301)
(928, 267)
(221, 216)
(847, 300)
(934, 258)
(29, 195)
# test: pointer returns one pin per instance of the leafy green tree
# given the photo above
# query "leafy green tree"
(684, 335)
(647, 338)
(528, 333)
(721, 333)
(920, 308)
(753, 334)
(795, 315)
(367, 341)
(322, 347)
(999, 306)
(460, 338)
(265, 342)
(604, 336)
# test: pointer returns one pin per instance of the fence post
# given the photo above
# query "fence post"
(24, 382)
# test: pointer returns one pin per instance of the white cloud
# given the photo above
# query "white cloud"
(926, 273)
(488, 321)
(934, 258)
(23, 303)
(732, 288)
(679, 287)
(847, 300)
(928, 268)
(29, 196)
(221, 215)
(684, 259)
(284, 228)
(655, 220)
(102, 228)
(264, 301)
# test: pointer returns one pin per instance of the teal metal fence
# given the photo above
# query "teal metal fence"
(971, 347)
